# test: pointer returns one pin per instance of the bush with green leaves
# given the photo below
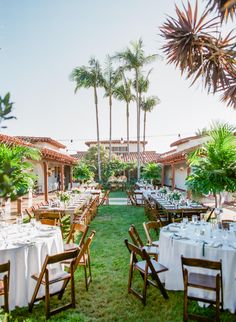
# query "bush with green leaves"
(152, 171)
(5, 109)
(82, 172)
(16, 177)
(214, 164)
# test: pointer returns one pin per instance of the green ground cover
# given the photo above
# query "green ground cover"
(107, 298)
(117, 194)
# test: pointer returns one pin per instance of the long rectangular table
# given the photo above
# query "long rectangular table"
(171, 209)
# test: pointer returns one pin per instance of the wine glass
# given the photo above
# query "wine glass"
(194, 219)
(33, 222)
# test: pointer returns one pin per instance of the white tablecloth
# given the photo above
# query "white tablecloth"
(26, 249)
(171, 249)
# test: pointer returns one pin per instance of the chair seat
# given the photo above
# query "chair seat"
(155, 243)
(202, 281)
(157, 266)
(1, 287)
(70, 246)
(54, 276)
(151, 250)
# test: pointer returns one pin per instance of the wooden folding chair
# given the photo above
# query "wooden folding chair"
(209, 215)
(149, 226)
(151, 250)
(4, 283)
(148, 268)
(76, 228)
(131, 198)
(49, 218)
(47, 278)
(105, 198)
(202, 281)
(83, 259)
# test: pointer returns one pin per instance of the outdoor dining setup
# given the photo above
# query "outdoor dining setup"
(37, 260)
(194, 252)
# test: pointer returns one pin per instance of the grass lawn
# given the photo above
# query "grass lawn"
(117, 194)
(107, 298)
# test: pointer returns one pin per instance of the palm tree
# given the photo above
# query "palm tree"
(123, 93)
(111, 78)
(134, 59)
(193, 45)
(90, 77)
(5, 109)
(148, 105)
(214, 164)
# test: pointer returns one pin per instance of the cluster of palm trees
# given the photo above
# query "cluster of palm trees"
(119, 83)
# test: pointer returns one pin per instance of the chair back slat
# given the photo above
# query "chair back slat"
(77, 227)
(195, 262)
(62, 257)
(5, 267)
(135, 236)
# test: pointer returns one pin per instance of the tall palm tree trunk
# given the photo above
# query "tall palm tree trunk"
(144, 131)
(110, 131)
(127, 124)
(98, 137)
(138, 125)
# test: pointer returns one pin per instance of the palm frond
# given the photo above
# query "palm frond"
(225, 8)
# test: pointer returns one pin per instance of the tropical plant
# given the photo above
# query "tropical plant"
(147, 105)
(202, 132)
(114, 167)
(91, 77)
(16, 177)
(213, 166)
(82, 172)
(5, 109)
(152, 171)
(197, 47)
(134, 59)
(111, 79)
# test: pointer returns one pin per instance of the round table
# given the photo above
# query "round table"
(26, 247)
(199, 241)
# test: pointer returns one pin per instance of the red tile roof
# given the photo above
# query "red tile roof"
(177, 156)
(79, 155)
(88, 143)
(184, 140)
(46, 153)
(150, 156)
(36, 139)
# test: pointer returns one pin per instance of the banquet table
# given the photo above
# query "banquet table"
(26, 247)
(172, 209)
(71, 209)
(199, 241)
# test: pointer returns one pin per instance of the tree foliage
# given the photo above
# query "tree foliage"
(214, 164)
(152, 171)
(82, 172)
(16, 177)
(202, 53)
(5, 109)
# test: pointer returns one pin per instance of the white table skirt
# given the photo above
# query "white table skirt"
(171, 250)
(26, 260)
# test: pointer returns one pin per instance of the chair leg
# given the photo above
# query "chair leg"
(218, 299)
(85, 276)
(5, 283)
(185, 319)
(31, 304)
(47, 297)
(72, 281)
(130, 278)
(144, 289)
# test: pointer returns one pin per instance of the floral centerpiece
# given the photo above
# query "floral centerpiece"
(63, 196)
(175, 195)
(163, 190)
(76, 191)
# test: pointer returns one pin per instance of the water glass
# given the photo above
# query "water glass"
(194, 219)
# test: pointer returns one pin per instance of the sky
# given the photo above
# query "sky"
(42, 41)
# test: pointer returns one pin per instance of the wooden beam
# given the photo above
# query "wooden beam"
(71, 177)
(173, 176)
(45, 172)
(62, 187)
(189, 192)
(163, 175)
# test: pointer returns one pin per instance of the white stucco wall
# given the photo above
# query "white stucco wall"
(168, 176)
(191, 143)
(180, 176)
